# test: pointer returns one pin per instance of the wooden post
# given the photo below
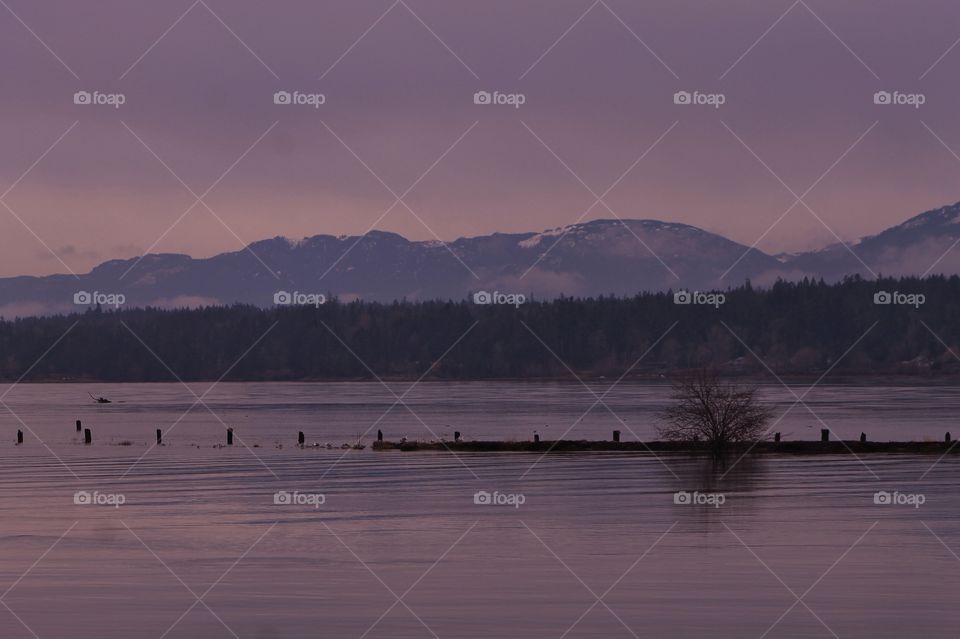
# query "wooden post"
(301, 439)
(616, 436)
(863, 438)
(19, 437)
(456, 435)
(78, 426)
(379, 435)
(229, 437)
(159, 437)
(824, 434)
(87, 436)
(776, 437)
(536, 438)
(947, 438)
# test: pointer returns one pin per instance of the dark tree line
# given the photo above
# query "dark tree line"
(796, 328)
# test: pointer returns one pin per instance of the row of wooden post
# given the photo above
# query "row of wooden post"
(825, 436)
(301, 439)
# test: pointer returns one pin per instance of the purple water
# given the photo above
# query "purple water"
(202, 522)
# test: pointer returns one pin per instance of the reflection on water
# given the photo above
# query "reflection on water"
(204, 522)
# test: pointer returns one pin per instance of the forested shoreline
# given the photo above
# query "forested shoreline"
(795, 328)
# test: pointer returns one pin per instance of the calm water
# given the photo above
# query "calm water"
(335, 413)
(201, 522)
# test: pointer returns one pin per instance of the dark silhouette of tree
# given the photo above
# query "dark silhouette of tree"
(716, 412)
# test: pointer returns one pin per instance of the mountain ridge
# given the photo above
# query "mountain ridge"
(597, 257)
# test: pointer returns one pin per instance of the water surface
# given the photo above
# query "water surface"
(200, 521)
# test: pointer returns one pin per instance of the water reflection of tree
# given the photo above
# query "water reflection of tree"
(738, 478)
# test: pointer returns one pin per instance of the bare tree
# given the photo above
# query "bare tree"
(719, 413)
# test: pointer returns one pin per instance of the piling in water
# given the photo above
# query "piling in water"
(87, 436)
(159, 437)
(536, 438)
(456, 435)
(776, 437)
(229, 437)
(78, 425)
(863, 438)
(616, 435)
(947, 438)
(19, 437)
(824, 434)
(301, 439)
(379, 435)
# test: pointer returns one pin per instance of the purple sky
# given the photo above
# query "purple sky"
(400, 98)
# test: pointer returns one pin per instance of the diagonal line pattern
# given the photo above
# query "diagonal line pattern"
(599, 199)
(27, 572)
(38, 560)
(399, 599)
(39, 39)
(199, 599)
(957, 157)
(199, 199)
(199, 399)
(179, 20)
(599, 398)
(616, 17)
(379, 19)
(942, 542)
(799, 399)
(954, 443)
(399, 199)
(799, 599)
(599, 599)
(839, 39)
(402, 396)
(239, 39)
(23, 175)
(359, 39)
(799, 199)
(23, 376)
(439, 39)
(818, 19)
(940, 59)
(399, 399)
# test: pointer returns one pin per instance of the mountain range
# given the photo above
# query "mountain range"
(600, 257)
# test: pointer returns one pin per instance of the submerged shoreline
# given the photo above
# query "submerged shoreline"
(801, 447)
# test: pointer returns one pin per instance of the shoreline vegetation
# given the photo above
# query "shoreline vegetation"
(798, 447)
(852, 328)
